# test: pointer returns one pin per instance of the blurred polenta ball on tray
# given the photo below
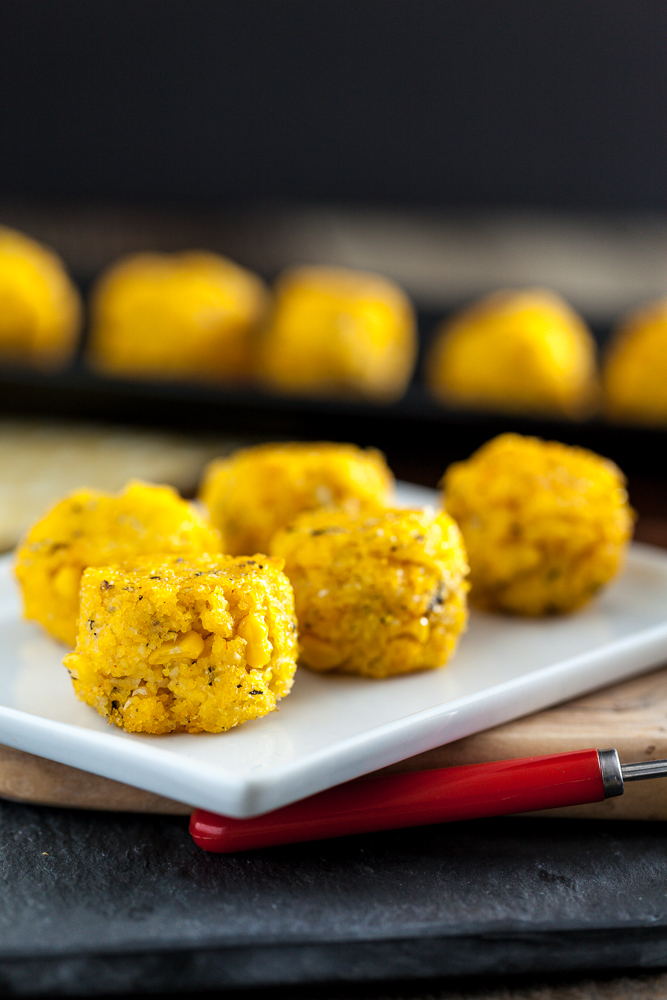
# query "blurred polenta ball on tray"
(255, 491)
(545, 525)
(338, 332)
(40, 308)
(515, 351)
(635, 367)
(171, 316)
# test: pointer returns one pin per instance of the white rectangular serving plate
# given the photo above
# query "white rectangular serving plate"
(333, 728)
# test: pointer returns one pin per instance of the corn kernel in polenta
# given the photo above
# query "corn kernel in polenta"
(258, 490)
(185, 644)
(90, 528)
(545, 525)
(375, 595)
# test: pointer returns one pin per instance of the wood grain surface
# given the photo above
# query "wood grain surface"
(631, 716)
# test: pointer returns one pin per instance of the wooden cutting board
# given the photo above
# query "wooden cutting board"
(631, 716)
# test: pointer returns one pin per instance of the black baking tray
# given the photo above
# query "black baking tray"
(415, 431)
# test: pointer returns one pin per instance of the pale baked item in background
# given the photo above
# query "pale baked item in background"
(175, 316)
(379, 595)
(516, 351)
(634, 372)
(256, 491)
(185, 645)
(545, 525)
(43, 461)
(337, 332)
(40, 308)
(96, 529)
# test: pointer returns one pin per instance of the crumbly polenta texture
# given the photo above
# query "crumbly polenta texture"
(518, 352)
(635, 368)
(40, 309)
(90, 528)
(378, 595)
(185, 644)
(256, 491)
(545, 525)
(176, 316)
(335, 331)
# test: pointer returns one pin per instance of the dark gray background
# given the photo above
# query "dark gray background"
(416, 101)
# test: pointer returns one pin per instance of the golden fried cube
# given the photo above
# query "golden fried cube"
(635, 368)
(90, 528)
(40, 309)
(377, 595)
(518, 352)
(176, 316)
(545, 525)
(339, 332)
(258, 490)
(190, 644)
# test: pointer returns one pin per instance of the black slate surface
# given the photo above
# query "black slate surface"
(95, 903)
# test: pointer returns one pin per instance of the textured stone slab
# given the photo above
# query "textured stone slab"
(101, 903)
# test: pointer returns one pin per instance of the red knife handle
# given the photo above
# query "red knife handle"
(413, 799)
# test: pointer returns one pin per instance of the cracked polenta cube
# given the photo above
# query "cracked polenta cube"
(335, 331)
(174, 644)
(378, 595)
(176, 316)
(635, 369)
(90, 528)
(545, 525)
(40, 309)
(258, 490)
(525, 351)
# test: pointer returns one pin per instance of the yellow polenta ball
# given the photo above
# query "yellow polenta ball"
(176, 315)
(635, 368)
(377, 595)
(40, 309)
(339, 332)
(545, 525)
(258, 490)
(174, 644)
(515, 351)
(90, 528)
